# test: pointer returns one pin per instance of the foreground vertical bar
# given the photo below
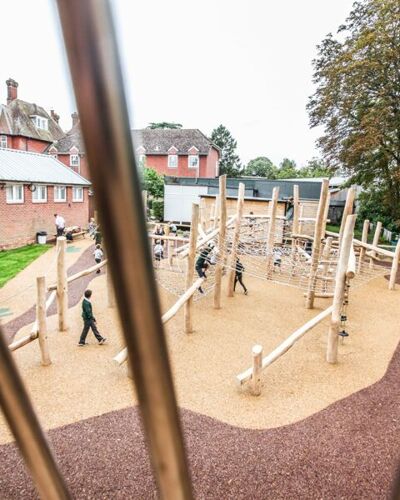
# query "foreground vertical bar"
(221, 242)
(97, 79)
(26, 429)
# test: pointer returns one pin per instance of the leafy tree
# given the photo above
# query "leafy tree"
(315, 168)
(287, 169)
(357, 100)
(261, 167)
(153, 183)
(172, 125)
(229, 162)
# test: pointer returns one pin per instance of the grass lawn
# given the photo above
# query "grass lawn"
(13, 261)
(357, 233)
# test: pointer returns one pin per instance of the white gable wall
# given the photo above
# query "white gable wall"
(178, 201)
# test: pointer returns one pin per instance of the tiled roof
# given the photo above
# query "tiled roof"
(24, 166)
(260, 187)
(159, 141)
(15, 119)
(72, 138)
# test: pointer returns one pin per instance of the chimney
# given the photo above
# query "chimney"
(75, 118)
(54, 115)
(12, 92)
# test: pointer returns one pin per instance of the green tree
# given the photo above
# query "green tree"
(261, 167)
(357, 100)
(229, 163)
(172, 125)
(153, 183)
(315, 168)
(287, 169)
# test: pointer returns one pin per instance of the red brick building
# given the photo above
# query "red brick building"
(177, 152)
(33, 187)
(26, 126)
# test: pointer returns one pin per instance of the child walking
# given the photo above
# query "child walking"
(239, 276)
(89, 321)
(98, 256)
(158, 252)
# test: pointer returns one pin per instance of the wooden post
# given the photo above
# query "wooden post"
(301, 210)
(344, 255)
(375, 242)
(273, 205)
(364, 239)
(325, 255)
(348, 210)
(41, 320)
(203, 214)
(110, 288)
(62, 285)
(144, 198)
(395, 266)
(316, 249)
(216, 211)
(187, 311)
(221, 241)
(256, 371)
(236, 236)
(328, 201)
(96, 217)
(296, 209)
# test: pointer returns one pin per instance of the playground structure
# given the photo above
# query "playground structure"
(122, 219)
(276, 249)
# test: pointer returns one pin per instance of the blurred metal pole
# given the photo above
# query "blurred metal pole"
(96, 74)
(21, 418)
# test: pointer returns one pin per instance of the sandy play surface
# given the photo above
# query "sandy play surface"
(84, 382)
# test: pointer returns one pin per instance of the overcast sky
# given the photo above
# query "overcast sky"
(246, 65)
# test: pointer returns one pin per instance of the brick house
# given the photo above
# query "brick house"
(33, 187)
(177, 152)
(70, 149)
(26, 126)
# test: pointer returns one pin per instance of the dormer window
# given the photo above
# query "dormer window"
(3, 141)
(172, 161)
(40, 122)
(74, 161)
(193, 161)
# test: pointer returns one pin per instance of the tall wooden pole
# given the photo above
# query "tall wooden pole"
(375, 242)
(236, 236)
(300, 221)
(296, 209)
(203, 214)
(62, 285)
(187, 310)
(348, 210)
(395, 266)
(340, 284)
(221, 241)
(316, 249)
(41, 320)
(364, 239)
(328, 201)
(325, 255)
(216, 211)
(273, 206)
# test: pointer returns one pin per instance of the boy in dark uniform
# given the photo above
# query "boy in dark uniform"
(239, 276)
(203, 262)
(89, 321)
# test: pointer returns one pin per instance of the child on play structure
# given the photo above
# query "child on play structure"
(239, 270)
(98, 256)
(158, 252)
(89, 321)
(203, 261)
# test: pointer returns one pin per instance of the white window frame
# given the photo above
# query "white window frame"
(198, 161)
(76, 199)
(39, 187)
(3, 141)
(56, 198)
(40, 122)
(77, 162)
(13, 188)
(170, 156)
(142, 159)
